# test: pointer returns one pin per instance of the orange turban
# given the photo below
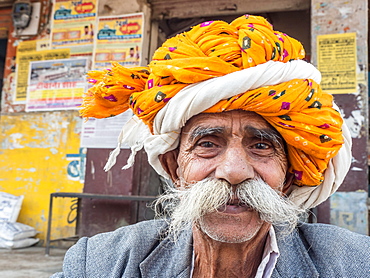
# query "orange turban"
(298, 109)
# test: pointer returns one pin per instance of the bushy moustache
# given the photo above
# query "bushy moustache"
(187, 204)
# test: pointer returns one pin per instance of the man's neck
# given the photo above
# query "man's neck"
(219, 259)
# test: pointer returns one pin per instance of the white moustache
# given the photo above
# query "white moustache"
(189, 204)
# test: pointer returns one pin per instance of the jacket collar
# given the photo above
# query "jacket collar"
(294, 257)
(170, 259)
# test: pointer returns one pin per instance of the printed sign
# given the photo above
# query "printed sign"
(119, 38)
(337, 62)
(73, 26)
(56, 84)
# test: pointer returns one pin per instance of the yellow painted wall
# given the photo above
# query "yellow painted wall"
(34, 149)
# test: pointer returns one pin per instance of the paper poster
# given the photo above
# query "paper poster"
(56, 84)
(337, 61)
(33, 45)
(73, 26)
(119, 38)
(23, 59)
(103, 133)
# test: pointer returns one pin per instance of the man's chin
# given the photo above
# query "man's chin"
(231, 227)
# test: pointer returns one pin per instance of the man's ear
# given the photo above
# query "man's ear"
(288, 182)
(169, 163)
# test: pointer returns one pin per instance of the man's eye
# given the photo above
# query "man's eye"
(206, 144)
(262, 146)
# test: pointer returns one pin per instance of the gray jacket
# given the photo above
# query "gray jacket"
(143, 250)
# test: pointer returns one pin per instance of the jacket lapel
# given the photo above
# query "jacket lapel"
(294, 260)
(170, 259)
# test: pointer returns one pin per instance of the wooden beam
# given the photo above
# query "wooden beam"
(164, 9)
(6, 3)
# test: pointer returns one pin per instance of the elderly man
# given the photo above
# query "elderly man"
(238, 122)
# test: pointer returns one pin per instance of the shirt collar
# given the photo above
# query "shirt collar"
(269, 257)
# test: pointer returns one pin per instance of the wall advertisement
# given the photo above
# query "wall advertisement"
(119, 39)
(56, 84)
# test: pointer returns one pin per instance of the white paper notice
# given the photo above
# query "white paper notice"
(103, 133)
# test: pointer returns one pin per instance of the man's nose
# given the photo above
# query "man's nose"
(234, 166)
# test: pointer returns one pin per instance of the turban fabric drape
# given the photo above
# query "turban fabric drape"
(217, 67)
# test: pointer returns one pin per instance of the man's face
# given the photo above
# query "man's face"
(234, 146)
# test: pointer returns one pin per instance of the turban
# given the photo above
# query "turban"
(218, 67)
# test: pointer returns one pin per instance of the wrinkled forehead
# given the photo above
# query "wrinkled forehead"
(246, 122)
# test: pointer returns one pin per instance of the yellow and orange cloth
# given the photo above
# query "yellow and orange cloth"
(209, 50)
(218, 67)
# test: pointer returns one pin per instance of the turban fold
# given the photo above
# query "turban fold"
(262, 71)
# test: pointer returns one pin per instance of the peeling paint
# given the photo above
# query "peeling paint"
(53, 150)
(348, 209)
(345, 11)
(33, 164)
(42, 217)
(15, 141)
(110, 178)
(92, 170)
(355, 122)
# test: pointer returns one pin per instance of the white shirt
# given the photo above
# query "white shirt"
(269, 257)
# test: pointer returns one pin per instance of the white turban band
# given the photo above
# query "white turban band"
(198, 97)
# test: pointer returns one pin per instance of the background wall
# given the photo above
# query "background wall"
(348, 206)
(39, 154)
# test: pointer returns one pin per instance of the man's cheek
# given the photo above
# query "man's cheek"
(194, 169)
(185, 162)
